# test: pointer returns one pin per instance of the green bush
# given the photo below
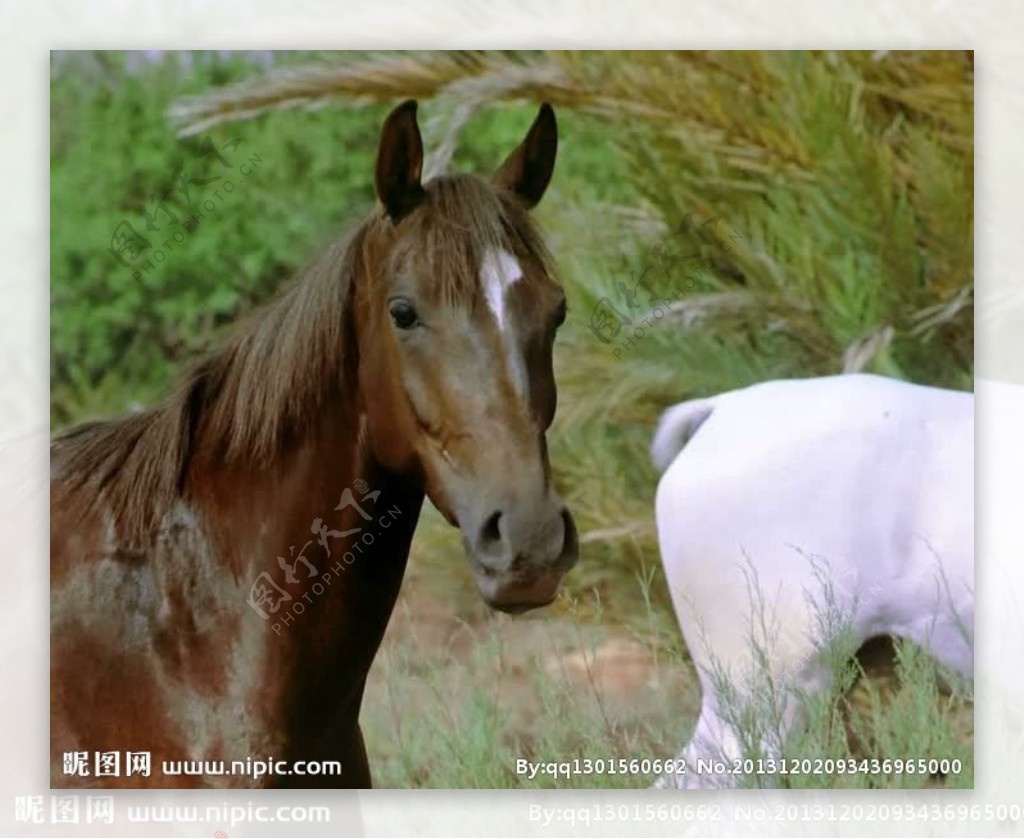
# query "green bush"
(116, 337)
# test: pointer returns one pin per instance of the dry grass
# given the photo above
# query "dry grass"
(457, 695)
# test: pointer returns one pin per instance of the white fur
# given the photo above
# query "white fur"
(782, 492)
(499, 272)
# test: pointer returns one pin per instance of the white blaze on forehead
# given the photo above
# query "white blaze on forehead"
(499, 272)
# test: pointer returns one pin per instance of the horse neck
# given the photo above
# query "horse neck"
(318, 542)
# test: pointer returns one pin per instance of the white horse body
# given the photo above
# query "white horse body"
(849, 495)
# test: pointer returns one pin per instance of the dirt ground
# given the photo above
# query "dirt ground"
(603, 659)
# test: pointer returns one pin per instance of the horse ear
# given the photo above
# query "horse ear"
(400, 162)
(527, 171)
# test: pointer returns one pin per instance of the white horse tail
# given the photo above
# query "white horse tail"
(676, 426)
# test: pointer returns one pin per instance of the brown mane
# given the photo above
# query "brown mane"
(282, 363)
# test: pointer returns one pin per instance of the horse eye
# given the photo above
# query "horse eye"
(403, 315)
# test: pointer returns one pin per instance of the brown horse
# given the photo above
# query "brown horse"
(414, 357)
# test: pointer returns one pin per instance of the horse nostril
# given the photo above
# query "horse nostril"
(490, 533)
(570, 540)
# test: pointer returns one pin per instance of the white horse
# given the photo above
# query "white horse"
(792, 510)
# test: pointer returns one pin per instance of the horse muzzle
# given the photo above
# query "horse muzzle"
(516, 575)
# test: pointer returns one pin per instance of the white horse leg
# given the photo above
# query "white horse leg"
(749, 709)
(949, 639)
(713, 739)
(758, 663)
(936, 610)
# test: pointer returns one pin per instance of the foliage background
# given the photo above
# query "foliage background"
(842, 185)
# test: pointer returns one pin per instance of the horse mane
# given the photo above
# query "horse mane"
(282, 363)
